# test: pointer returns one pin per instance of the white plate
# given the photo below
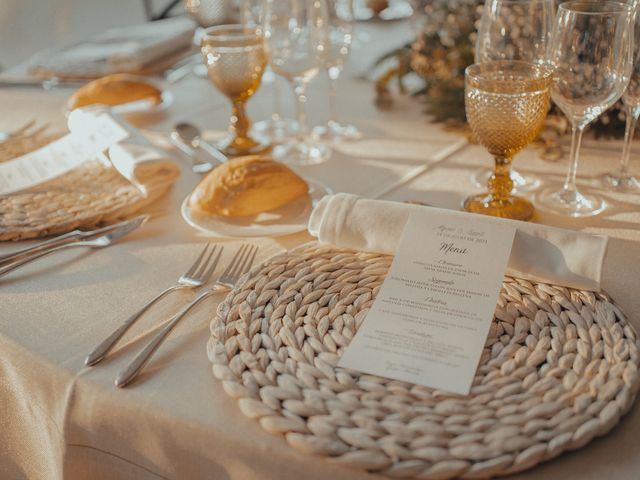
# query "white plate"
(139, 107)
(285, 220)
(145, 106)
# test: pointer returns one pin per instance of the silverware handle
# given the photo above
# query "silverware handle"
(184, 148)
(137, 364)
(11, 257)
(98, 353)
(216, 154)
(19, 263)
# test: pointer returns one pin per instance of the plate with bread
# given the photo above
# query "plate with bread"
(123, 93)
(252, 196)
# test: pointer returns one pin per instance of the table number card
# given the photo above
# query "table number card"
(430, 320)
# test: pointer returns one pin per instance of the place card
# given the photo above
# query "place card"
(85, 143)
(430, 320)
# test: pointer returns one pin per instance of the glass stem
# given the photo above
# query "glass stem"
(500, 183)
(300, 89)
(333, 73)
(239, 122)
(276, 116)
(576, 140)
(632, 120)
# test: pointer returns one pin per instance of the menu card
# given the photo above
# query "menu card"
(60, 156)
(430, 320)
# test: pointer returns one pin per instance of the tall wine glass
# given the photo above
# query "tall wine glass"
(622, 180)
(295, 34)
(277, 128)
(591, 50)
(339, 38)
(514, 30)
(506, 103)
(236, 59)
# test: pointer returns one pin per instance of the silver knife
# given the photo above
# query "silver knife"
(72, 238)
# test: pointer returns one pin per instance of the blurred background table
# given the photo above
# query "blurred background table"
(62, 420)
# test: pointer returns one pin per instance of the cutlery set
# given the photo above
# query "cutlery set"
(200, 275)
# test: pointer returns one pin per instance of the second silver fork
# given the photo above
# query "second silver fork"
(197, 275)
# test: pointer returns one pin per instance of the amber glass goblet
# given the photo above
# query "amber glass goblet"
(506, 103)
(235, 58)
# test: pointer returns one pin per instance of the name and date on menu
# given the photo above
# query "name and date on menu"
(430, 320)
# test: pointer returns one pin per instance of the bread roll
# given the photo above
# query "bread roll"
(114, 90)
(247, 186)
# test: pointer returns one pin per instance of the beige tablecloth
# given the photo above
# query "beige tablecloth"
(59, 419)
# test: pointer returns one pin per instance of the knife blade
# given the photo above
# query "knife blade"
(69, 237)
(95, 242)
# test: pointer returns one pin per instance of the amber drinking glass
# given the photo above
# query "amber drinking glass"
(506, 103)
(235, 57)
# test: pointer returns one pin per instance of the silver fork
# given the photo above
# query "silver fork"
(240, 264)
(197, 275)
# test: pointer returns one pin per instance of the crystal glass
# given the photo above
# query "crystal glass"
(340, 35)
(591, 51)
(207, 13)
(514, 30)
(295, 35)
(506, 103)
(622, 180)
(235, 57)
(276, 128)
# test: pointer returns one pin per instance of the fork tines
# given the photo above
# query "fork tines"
(240, 263)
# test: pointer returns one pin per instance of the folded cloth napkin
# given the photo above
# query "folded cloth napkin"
(122, 49)
(147, 167)
(540, 253)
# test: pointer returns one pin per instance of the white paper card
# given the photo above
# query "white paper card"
(60, 156)
(430, 320)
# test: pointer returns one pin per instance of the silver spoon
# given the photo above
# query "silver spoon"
(198, 164)
(190, 136)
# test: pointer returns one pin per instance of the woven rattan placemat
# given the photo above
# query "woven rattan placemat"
(560, 367)
(86, 196)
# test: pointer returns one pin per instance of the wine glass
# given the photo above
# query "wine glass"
(295, 34)
(591, 51)
(506, 103)
(622, 180)
(276, 128)
(235, 57)
(514, 30)
(339, 37)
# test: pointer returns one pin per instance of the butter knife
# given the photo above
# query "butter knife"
(68, 237)
(95, 240)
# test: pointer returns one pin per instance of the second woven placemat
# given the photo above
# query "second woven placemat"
(560, 367)
(91, 194)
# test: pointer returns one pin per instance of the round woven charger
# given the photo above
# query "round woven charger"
(559, 368)
(86, 196)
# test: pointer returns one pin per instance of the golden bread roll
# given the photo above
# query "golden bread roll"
(114, 90)
(247, 186)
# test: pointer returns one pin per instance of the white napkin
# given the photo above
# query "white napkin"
(122, 49)
(539, 253)
(136, 159)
